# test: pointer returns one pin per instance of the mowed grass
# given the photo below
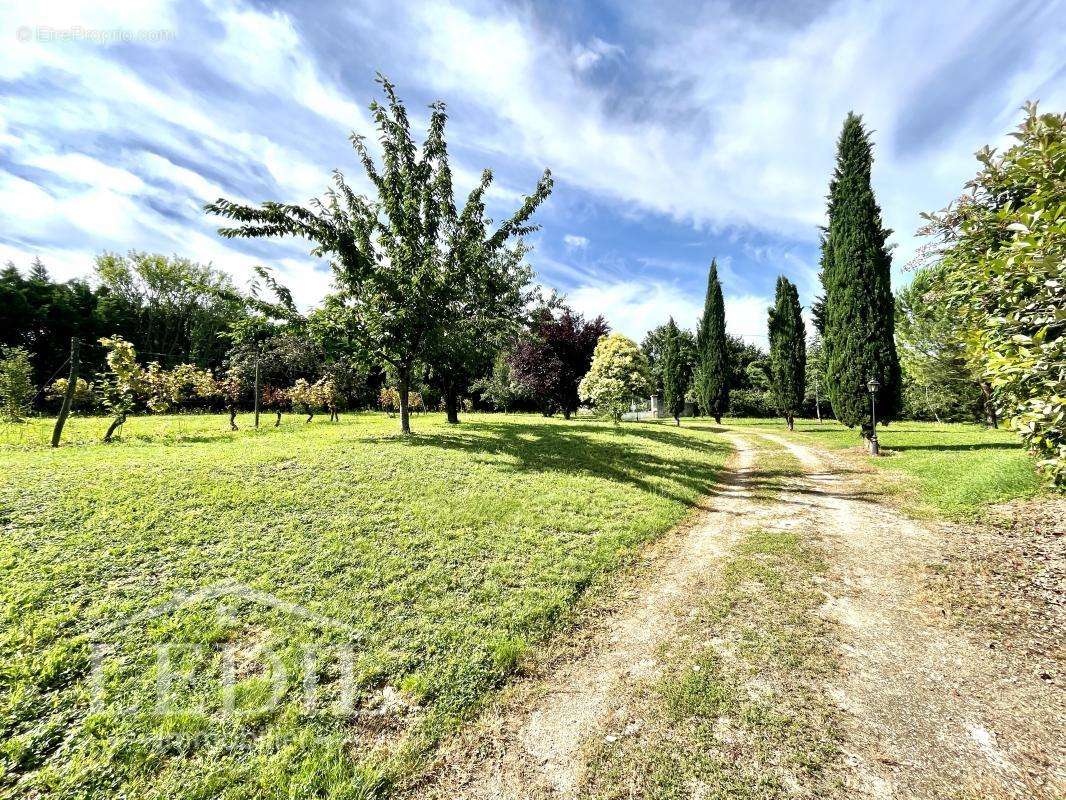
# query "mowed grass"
(407, 577)
(948, 469)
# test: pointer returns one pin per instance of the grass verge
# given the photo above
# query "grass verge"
(951, 470)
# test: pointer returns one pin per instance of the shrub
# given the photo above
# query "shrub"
(16, 383)
(83, 392)
(752, 403)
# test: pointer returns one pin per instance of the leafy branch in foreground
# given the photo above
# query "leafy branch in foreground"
(999, 253)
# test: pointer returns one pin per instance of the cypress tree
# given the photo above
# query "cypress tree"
(712, 365)
(788, 350)
(673, 373)
(856, 274)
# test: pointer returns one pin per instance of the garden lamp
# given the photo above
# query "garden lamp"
(873, 385)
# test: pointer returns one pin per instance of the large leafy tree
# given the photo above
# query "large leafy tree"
(814, 377)
(788, 350)
(403, 262)
(941, 380)
(674, 373)
(654, 348)
(42, 315)
(712, 374)
(168, 307)
(618, 376)
(550, 361)
(485, 318)
(1000, 250)
(856, 274)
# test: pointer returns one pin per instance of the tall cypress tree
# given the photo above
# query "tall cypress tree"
(673, 373)
(712, 365)
(856, 274)
(788, 350)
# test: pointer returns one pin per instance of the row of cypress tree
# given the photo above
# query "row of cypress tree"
(855, 316)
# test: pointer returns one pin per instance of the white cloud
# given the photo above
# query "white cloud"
(635, 307)
(745, 316)
(588, 55)
(575, 242)
(740, 127)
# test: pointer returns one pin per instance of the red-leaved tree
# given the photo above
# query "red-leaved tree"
(552, 358)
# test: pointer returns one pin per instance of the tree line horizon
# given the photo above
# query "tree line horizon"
(431, 296)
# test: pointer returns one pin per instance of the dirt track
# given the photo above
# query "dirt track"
(924, 711)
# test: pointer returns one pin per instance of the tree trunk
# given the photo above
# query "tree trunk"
(990, 408)
(791, 419)
(451, 403)
(310, 416)
(120, 419)
(404, 390)
(677, 420)
(566, 413)
(277, 422)
(232, 418)
(68, 395)
(255, 393)
(717, 419)
(929, 405)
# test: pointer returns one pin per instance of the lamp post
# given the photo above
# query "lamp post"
(873, 385)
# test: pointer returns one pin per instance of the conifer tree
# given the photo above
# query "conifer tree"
(788, 350)
(856, 274)
(674, 378)
(712, 366)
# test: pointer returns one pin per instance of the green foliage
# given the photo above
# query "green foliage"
(940, 379)
(751, 403)
(856, 274)
(83, 392)
(441, 590)
(410, 268)
(498, 389)
(124, 380)
(16, 383)
(168, 306)
(815, 377)
(618, 376)
(42, 316)
(1001, 250)
(788, 349)
(674, 373)
(653, 347)
(712, 375)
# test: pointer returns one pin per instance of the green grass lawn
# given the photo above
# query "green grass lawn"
(438, 560)
(953, 469)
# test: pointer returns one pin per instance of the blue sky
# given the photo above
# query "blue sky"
(676, 131)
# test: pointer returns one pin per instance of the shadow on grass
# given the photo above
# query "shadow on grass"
(614, 454)
(959, 447)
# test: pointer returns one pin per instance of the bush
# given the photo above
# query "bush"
(751, 403)
(16, 383)
(83, 393)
